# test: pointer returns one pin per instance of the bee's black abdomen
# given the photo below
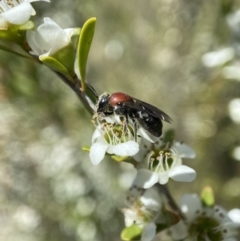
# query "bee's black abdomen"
(152, 125)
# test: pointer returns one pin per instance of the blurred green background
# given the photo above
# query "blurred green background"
(152, 50)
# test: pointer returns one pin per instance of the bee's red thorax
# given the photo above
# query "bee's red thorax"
(119, 97)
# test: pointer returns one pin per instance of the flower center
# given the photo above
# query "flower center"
(205, 228)
(142, 214)
(8, 4)
(117, 133)
(162, 160)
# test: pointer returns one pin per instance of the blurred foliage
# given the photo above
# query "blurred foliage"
(151, 50)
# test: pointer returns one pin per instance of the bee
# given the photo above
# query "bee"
(148, 116)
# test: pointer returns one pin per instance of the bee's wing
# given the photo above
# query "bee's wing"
(150, 109)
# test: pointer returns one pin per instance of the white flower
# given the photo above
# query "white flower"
(234, 110)
(49, 38)
(232, 72)
(203, 223)
(219, 57)
(233, 21)
(234, 214)
(111, 138)
(16, 12)
(144, 208)
(158, 163)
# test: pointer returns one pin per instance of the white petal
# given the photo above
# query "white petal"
(145, 178)
(233, 20)
(45, 55)
(49, 21)
(191, 206)
(151, 199)
(221, 214)
(19, 14)
(149, 232)
(96, 134)
(230, 239)
(49, 31)
(229, 229)
(130, 216)
(116, 119)
(70, 32)
(110, 149)
(140, 155)
(220, 57)
(37, 0)
(182, 173)
(179, 231)
(48, 38)
(146, 135)
(145, 147)
(109, 119)
(234, 215)
(3, 23)
(184, 150)
(163, 178)
(97, 152)
(32, 41)
(61, 41)
(129, 148)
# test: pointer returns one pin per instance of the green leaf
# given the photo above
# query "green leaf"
(207, 196)
(61, 61)
(66, 56)
(169, 136)
(16, 33)
(53, 64)
(29, 25)
(13, 34)
(84, 44)
(131, 233)
(75, 37)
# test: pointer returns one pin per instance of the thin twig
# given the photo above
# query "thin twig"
(76, 87)
(164, 189)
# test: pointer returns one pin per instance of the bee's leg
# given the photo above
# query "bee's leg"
(135, 128)
(125, 124)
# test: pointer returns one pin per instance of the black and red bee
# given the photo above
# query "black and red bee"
(148, 116)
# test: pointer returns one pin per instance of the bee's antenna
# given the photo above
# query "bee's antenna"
(92, 90)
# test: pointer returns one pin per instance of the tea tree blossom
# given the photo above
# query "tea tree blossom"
(233, 21)
(16, 12)
(202, 222)
(53, 46)
(143, 209)
(112, 138)
(234, 215)
(49, 38)
(160, 161)
(218, 58)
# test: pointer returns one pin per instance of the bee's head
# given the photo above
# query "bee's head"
(102, 105)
